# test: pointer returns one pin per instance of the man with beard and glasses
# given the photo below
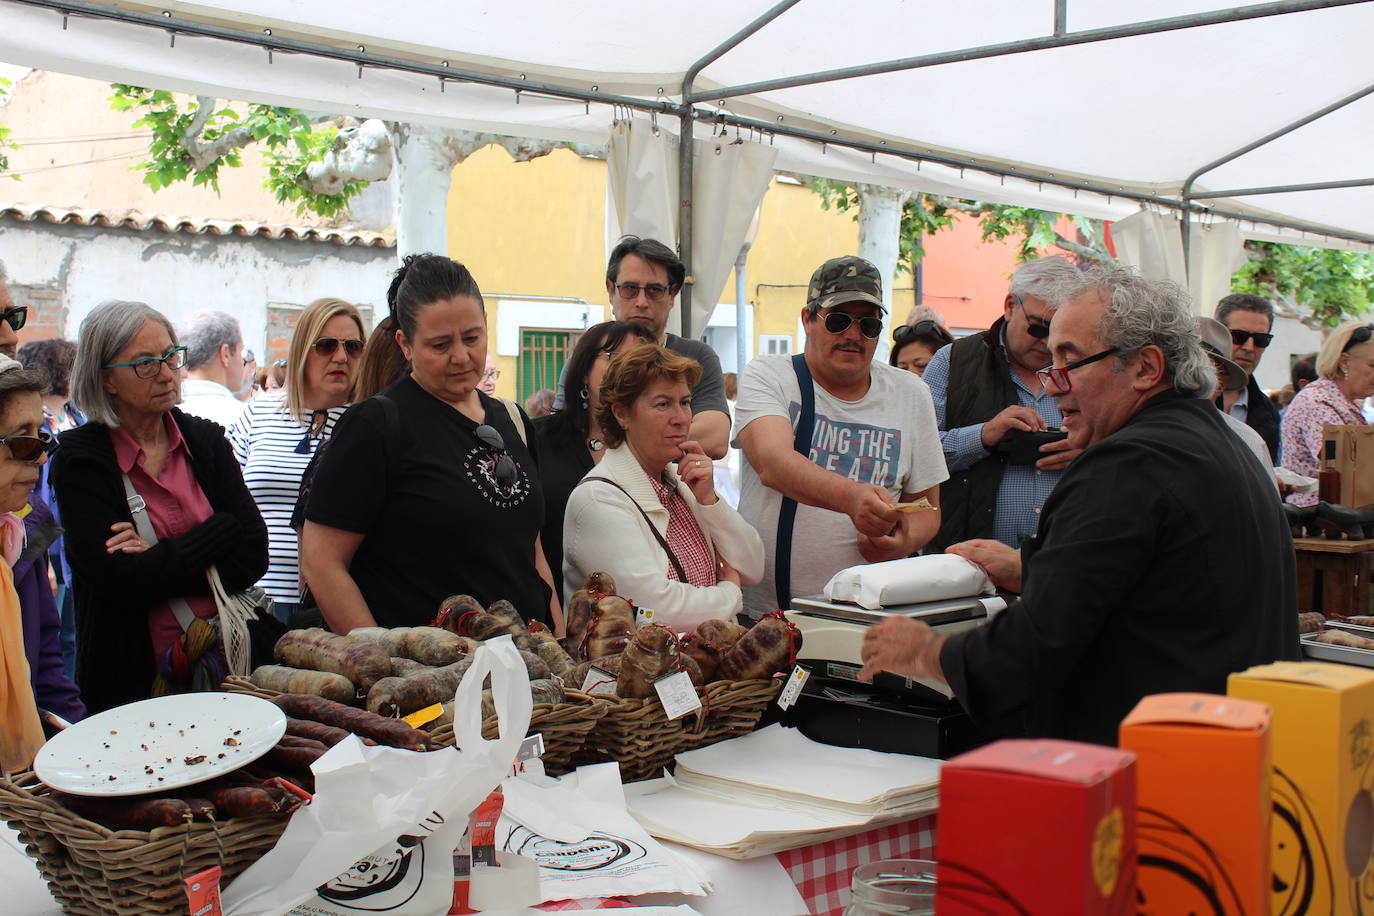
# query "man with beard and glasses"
(873, 443)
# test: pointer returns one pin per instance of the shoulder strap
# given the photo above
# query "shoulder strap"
(677, 567)
(787, 512)
(516, 419)
(138, 508)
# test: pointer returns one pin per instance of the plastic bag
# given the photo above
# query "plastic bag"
(380, 833)
(912, 580)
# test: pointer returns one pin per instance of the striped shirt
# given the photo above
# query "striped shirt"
(265, 442)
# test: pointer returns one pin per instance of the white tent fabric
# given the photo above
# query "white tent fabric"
(1152, 242)
(1134, 114)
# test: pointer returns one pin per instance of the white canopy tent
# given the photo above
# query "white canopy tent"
(1098, 107)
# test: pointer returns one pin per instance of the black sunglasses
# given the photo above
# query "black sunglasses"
(1358, 336)
(1261, 340)
(15, 316)
(870, 326)
(328, 346)
(28, 448)
(927, 326)
(505, 465)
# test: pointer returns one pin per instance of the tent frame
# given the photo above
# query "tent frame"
(688, 113)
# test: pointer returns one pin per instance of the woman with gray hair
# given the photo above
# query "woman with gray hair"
(150, 498)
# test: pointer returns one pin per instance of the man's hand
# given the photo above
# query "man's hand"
(903, 647)
(870, 508)
(1058, 455)
(880, 549)
(1000, 562)
(1010, 418)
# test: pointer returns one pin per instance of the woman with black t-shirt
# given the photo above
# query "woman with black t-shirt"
(428, 489)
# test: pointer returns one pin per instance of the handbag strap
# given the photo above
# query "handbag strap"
(787, 512)
(677, 567)
(138, 508)
(515, 418)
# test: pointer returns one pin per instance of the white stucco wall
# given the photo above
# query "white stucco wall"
(182, 274)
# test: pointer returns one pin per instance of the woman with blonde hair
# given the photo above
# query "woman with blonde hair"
(1345, 377)
(280, 431)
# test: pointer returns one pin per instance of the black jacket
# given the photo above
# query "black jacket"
(115, 592)
(979, 388)
(1263, 417)
(1163, 563)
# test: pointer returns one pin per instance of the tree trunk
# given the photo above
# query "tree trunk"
(880, 224)
(423, 173)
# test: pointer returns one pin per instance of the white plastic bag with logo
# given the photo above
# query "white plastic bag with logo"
(380, 833)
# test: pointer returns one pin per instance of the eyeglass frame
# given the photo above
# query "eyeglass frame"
(1239, 337)
(654, 292)
(505, 470)
(16, 316)
(335, 343)
(849, 320)
(902, 332)
(46, 442)
(1034, 327)
(1060, 374)
(148, 360)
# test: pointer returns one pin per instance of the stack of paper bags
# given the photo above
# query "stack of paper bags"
(776, 789)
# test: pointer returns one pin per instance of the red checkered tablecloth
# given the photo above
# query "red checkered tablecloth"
(822, 872)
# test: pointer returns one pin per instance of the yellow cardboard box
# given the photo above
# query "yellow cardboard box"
(1323, 753)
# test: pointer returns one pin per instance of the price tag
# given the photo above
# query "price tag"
(793, 688)
(677, 694)
(599, 683)
(202, 892)
(643, 615)
(531, 747)
(422, 716)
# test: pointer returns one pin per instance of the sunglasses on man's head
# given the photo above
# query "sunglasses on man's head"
(870, 326)
(28, 448)
(15, 316)
(505, 465)
(1261, 340)
(328, 346)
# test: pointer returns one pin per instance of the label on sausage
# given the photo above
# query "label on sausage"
(678, 694)
(643, 615)
(422, 716)
(202, 892)
(793, 688)
(599, 683)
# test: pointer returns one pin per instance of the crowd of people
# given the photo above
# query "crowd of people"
(1093, 451)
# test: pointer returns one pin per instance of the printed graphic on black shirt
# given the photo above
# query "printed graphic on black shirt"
(481, 467)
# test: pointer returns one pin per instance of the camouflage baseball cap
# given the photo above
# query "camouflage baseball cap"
(845, 279)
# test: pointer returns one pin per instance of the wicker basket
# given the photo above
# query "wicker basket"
(94, 871)
(638, 735)
(565, 727)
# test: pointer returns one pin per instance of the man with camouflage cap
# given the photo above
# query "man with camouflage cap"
(873, 442)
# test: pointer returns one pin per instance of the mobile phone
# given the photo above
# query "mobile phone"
(1023, 446)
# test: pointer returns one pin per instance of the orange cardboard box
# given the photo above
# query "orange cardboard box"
(1322, 828)
(1039, 827)
(1202, 802)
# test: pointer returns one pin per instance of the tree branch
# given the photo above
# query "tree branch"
(1083, 251)
(204, 154)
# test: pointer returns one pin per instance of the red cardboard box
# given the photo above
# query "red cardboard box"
(1040, 827)
(1202, 778)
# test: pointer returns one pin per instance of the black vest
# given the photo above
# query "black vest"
(979, 387)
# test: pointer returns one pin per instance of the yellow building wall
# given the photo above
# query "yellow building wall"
(538, 229)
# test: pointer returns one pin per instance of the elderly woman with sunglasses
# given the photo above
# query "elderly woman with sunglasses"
(141, 464)
(913, 345)
(276, 436)
(1345, 377)
(430, 488)
(648, 513)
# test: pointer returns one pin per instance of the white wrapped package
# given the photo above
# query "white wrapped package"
(911, 580)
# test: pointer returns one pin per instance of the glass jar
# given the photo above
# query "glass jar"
(894, 887)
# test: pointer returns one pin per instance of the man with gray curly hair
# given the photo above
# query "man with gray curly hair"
(214, 367)
(1163, 562)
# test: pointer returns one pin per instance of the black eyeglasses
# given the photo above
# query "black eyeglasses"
(15, 316)
(505, 465)
(870, 326)
(1035, 327)
(1261, 340)
(655, 291)
(1060, 375)
(328, 346)
(28, 448)
(150, 366)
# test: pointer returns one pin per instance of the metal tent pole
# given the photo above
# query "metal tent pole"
(1284, 189)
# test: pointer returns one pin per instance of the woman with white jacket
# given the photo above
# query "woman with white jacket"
(665, 537)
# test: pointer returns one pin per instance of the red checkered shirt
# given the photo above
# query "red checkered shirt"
(685, 538)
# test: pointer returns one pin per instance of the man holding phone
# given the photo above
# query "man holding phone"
(998, 426)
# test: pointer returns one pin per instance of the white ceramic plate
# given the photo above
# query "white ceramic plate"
(160, 744)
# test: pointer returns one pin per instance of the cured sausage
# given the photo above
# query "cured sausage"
(325, 684)
(363, 663)
(650, 654)
(611, 625)
(768, 647)
(722, 633)
(391, 732)
(705, 654)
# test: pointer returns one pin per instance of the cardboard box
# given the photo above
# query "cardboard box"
(1354, 460)
(1322, 831)
(1202, 802)
(1037, 827)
